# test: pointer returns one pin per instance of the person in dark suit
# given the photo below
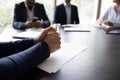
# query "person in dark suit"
(66, 13)
(17, 58)
(30, 14)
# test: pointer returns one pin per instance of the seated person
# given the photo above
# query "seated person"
(17, 58)
(112, 16)
(30, 14)
(66, 13)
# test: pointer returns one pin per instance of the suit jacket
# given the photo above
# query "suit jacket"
(60, 15)
(19, 57)
(20, 15)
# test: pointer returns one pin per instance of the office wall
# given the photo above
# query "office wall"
(88, 11)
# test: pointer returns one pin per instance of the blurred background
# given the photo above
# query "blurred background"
(87, 10)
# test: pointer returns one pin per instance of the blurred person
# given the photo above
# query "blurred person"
(112, 15)
(66, 13)
(29, 14)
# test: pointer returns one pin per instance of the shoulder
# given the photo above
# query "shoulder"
(60, 5)
(20, 4)
(111, 8)
(39, 4)
(73, 6)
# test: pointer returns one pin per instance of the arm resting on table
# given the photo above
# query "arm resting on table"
(15, 66)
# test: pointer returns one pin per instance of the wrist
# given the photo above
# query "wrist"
(36, 40)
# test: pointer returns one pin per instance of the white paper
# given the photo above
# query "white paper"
(115, 31)
(35, 29)
(60, 57)
(102, 26)
(71, 25)
(106, 27)
(26, 34)
(76, 29)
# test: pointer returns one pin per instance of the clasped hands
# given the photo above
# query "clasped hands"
(51, 37)
(30, 24)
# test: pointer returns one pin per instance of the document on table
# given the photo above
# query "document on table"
(29, 33)
(26, 34)
(35, 29)
(112, 30)
(71, 25)
(61, 57)
(75, 28)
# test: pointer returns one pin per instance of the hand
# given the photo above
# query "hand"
(100, 22)
(44, 34)
(28, 24)
(37, 24)
(53, 41)
(109, 23)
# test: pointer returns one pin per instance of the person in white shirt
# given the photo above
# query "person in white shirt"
(112, 15)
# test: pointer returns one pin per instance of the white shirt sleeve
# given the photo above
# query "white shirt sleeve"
(105, 16)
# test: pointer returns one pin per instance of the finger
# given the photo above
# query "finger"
(55, 34)
(47, 30)
(52, 30)
(55, 27)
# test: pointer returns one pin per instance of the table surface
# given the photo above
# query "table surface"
(101, 61)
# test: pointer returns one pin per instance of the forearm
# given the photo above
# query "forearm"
(17, 65)
(19, 25)
(8, 48)
(77, 20)
(46, 24)
(77, 17)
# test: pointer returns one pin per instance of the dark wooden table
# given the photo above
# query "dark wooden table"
(101, 61)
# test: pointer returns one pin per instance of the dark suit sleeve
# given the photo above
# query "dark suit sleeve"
(46, 21)
(40, 11)
(19, 16)
(8, 48)
(15, 66)
(76, 15)
(56, 15)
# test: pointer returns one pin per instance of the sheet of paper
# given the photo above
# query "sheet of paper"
(115, 30)
(71, 25)
(76, 29)
(35, 29)
(26, 34)
(60, 57)
(102, 26)
(29, 33)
